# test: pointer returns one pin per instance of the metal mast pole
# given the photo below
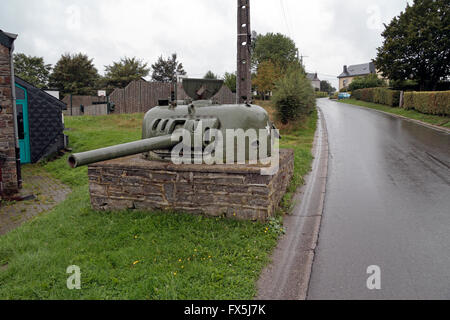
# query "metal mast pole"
(243, 77)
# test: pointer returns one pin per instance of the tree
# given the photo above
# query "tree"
(32, 69)
(293, 95)
(368, 81)
(210, 75)
(416, 44)
(267, 74)
(75, 74)
(166, 70)
(325, 86)
(229, 79)
(277, 48)
(120, 74)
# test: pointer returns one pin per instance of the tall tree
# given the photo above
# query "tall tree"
(210, 75)
(417, 44)
(277, 48)
(75, 74)
(32, 69)
(229, 79)
(165, 70)
(267, 74)
(325, 86)
(121, 73)
(294, 95)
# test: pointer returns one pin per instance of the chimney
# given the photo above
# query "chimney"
(345, 69)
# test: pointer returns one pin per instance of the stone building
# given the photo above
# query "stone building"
(351, 72)
(315, 81)
(10, 181)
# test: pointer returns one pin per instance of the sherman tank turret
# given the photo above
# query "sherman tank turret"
(169, 125)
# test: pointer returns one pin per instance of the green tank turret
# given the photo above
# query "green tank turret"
(166, 127)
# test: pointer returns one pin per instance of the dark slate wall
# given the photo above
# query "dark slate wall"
(45, 122)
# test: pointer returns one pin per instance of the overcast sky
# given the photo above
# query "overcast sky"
(330, 33)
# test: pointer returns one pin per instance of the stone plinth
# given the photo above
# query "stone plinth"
(235, 191)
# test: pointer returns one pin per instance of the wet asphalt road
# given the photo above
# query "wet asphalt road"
(387, 203)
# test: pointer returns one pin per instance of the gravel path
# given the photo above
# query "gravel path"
(48, 192)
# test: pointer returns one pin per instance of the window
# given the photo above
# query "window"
(20, 126)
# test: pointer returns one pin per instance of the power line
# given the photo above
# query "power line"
(324, 74)
(301, 58)
(285, 19)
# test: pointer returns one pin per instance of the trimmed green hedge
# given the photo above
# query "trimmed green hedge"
(429, 102)
(378, 95)
(321, 94)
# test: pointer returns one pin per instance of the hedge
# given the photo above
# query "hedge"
(378, 95)
(321, 94)
(429, 102)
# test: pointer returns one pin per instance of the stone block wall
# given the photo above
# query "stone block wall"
(234, 191)
(9, 181)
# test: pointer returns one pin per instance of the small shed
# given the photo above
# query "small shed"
(40, 122)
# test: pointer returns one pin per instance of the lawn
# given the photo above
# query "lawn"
(132, 254)
(412, 114)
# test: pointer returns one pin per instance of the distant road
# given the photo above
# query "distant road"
(387, 204)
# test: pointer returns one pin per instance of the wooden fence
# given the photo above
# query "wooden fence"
(96, 110)
(78, 101)
(141, 96)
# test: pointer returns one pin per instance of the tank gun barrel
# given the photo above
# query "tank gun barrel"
(121, 150)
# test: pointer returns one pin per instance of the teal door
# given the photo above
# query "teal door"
(22, 124)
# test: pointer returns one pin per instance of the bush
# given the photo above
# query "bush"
(293, 95)
(429, 102)
(357, 94)
(408, 102)
(321, 94)
(404, 85)
(367, 95)
(369, 81)
(378, 95)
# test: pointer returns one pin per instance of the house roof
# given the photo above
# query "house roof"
(312, 76)
(358, 70)
(28, 85)
(7, 39)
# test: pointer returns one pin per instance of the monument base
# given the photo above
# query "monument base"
(234, 191)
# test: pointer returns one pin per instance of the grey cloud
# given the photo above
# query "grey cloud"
(331, 32)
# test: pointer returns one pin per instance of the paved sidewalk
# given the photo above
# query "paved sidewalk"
(48, 193)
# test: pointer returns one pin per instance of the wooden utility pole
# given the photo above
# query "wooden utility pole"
(243, 77)
(300, 58)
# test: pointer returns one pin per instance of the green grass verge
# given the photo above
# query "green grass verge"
(132, 254)
(301, 141)
(412, 114)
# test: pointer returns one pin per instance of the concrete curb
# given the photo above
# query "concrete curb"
(287, 277)
(425, 124)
